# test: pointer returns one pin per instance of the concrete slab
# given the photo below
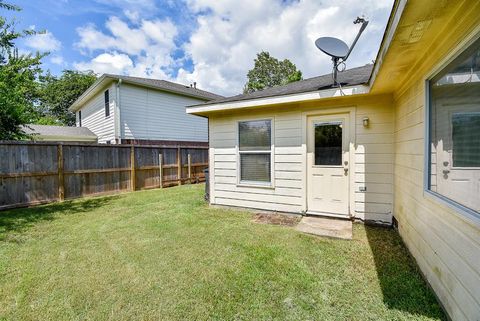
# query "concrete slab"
(326, 226)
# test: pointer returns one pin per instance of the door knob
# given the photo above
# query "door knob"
(445, 171)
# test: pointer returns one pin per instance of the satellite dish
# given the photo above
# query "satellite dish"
(337, 49)
(332, 46)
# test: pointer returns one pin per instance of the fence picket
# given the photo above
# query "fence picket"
(41, 172)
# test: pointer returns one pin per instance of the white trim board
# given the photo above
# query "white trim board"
(321, 94)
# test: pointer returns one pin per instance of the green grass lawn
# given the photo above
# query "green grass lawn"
(165, 255)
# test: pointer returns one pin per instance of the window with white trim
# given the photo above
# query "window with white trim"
(454, 130)
(255, 151)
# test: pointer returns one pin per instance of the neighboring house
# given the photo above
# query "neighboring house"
(122, 109)
(60, 133)
(399, 143)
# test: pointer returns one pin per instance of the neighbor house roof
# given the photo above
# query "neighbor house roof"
(59, 133)
(158, 84)
(353, 81)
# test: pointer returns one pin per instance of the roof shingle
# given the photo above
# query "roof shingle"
(47, 130)
(350, 77)
(168, 86)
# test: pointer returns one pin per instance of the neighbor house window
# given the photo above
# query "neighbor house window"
(80, 118)
(107, 103)
(454, 115)
(255, 149)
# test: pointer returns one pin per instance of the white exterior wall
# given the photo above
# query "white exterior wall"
(445, 244)
(156, 115)
(372, 167)
(93, 116)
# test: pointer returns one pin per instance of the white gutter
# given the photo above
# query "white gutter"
(313, 95)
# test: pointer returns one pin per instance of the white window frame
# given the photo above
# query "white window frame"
(462, 211)
(260, 184)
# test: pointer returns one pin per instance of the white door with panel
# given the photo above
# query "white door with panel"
(328, 143)
(457, 151)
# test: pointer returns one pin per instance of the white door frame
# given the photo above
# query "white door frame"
(351, 111)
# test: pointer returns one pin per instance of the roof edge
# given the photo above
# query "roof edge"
(283, 99)
(87, 93)
(105, 78)
(393, 21)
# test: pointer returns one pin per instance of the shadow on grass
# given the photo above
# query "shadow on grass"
(402, 284)
(19, 220)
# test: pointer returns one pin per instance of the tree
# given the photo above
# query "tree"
(58, 93)
(268, 71)
(18, 85)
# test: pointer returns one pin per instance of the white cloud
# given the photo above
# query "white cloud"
(116, 63)
(43, 42)
(58, 60)
(229, 36)
(148, 47)
(132, 15)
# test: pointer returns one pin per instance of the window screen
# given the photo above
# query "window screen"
(255, 144)
(107, 103)
(454, 160)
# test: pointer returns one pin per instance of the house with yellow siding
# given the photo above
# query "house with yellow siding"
(397, 144)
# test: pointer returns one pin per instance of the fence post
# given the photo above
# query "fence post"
(61, 182)
(132, 168)
(179, 166)
(189, 169)
(160, 167)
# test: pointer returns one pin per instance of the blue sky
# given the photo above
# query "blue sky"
(211, 42)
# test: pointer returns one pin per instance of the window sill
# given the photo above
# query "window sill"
(464, 213)
(256, 185)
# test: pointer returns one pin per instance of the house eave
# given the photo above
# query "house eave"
(393, 21)
(301, 97)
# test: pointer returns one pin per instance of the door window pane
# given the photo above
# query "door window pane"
(255, 135)
(255, 167)
(328, 143)
(466, 139)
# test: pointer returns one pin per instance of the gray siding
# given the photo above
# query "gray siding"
(152, 114)
(93, 116)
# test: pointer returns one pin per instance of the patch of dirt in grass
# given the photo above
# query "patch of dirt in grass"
(276, 219)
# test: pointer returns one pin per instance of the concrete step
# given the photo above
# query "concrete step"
(326, 226)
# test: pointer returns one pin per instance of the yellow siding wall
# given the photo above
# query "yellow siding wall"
(445, 245)
(373, 161)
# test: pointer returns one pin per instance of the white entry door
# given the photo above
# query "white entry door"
(328, 165)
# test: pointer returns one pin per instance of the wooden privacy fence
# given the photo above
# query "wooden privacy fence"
(37, 172)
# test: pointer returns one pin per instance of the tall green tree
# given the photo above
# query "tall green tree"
(268, 71)
(18, 80)
(58, 93)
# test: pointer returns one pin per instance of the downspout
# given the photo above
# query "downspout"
(117, 114)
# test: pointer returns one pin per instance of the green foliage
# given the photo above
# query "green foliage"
(268, 71)
(18, 85)
(58, 93)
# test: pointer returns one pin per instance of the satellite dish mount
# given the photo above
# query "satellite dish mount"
(339, 50)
